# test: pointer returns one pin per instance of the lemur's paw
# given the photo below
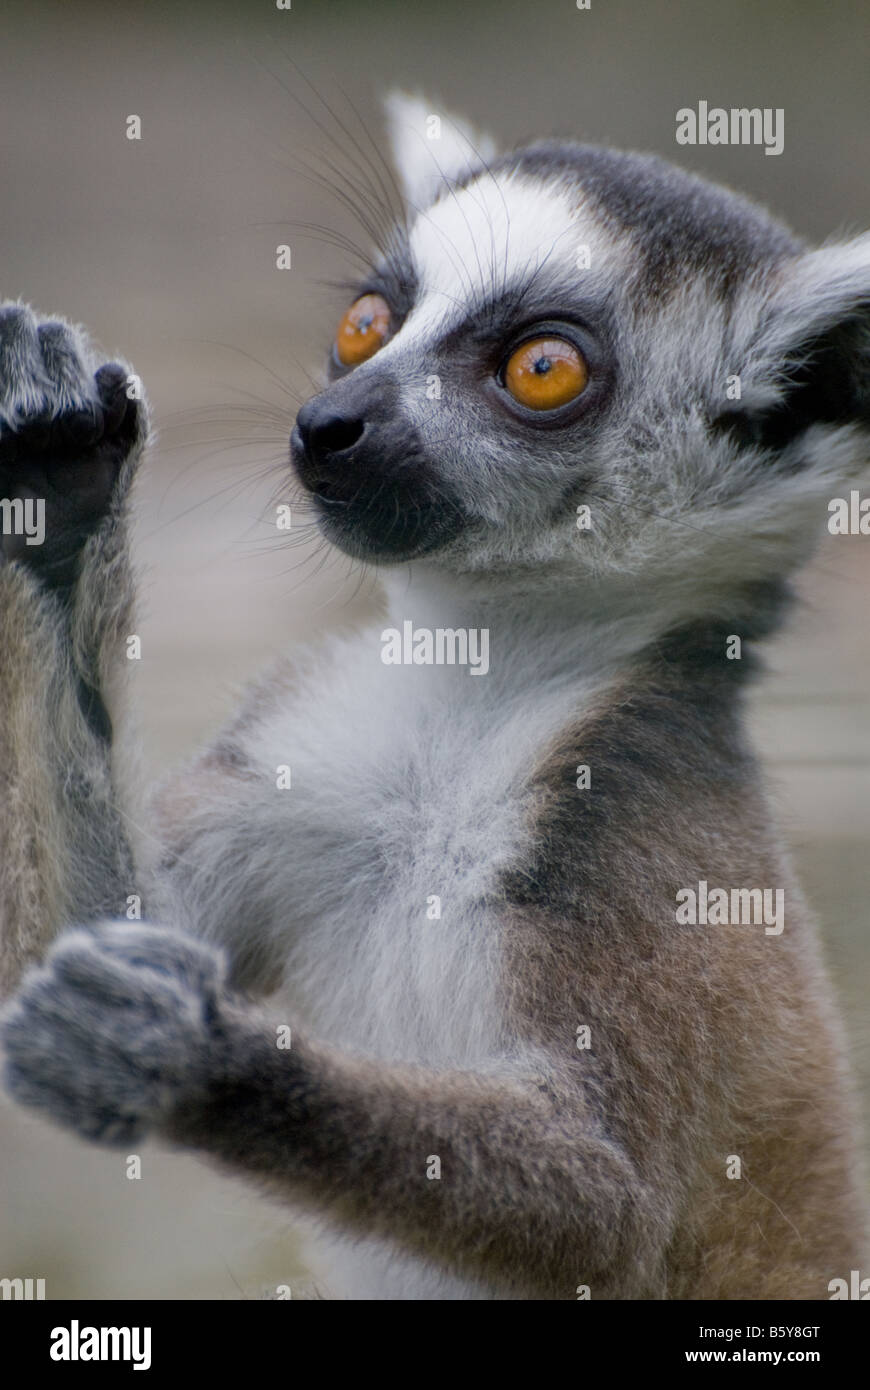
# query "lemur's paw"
(66, 428)
(119, 1027)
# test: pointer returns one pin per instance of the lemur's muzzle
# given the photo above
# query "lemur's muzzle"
(374, 488)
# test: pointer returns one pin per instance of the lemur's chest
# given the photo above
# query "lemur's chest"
(407, 804)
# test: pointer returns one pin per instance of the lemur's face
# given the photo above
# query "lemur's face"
(572, 356)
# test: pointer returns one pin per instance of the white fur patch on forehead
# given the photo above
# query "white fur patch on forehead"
(492, 236)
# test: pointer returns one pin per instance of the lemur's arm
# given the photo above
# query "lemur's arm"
(131, 1030)
(70, 437)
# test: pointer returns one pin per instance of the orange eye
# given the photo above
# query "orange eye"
(545, 373)
(362, 330)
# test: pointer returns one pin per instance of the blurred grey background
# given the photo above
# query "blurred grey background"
(165, 249)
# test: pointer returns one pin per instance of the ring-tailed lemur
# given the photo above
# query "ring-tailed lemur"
(518, 1068)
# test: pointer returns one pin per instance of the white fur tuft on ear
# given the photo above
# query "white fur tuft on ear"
(431, 149)
(819, 289)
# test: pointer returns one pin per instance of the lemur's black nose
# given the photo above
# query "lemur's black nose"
(325, 432)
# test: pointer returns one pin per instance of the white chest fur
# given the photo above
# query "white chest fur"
(405, 805)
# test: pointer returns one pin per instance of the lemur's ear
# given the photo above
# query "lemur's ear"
(431, 149)
(810, 359)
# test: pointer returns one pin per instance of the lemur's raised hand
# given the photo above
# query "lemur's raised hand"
(599, 406)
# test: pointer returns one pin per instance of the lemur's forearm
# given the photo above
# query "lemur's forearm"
(64, 853)
(40, 726)
(69, 441)
(488, 1174)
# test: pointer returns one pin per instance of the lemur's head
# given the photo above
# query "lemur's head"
(564, 328)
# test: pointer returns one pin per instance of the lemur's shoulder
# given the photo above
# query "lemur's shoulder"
(656, 759)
